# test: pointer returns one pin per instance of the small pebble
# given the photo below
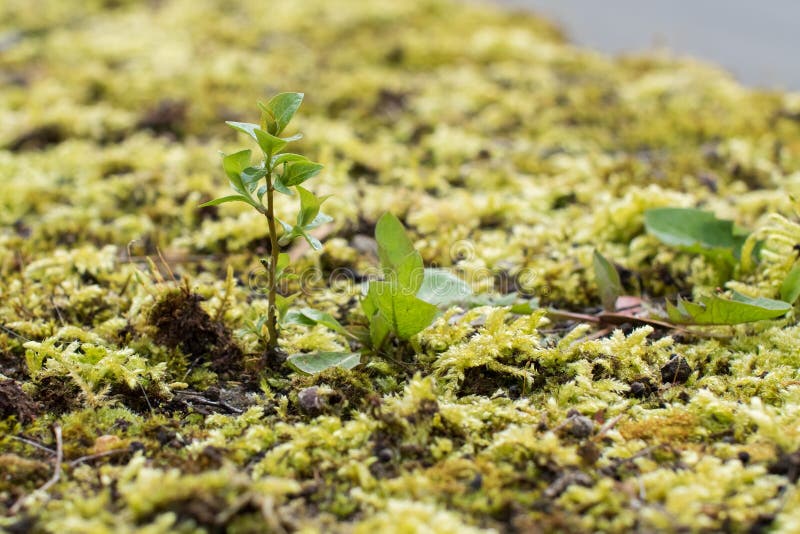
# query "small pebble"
(581, 426)
(309, 400)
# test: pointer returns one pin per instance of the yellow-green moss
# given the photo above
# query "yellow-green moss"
(510, 155)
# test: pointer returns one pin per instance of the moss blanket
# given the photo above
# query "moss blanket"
(133, 392)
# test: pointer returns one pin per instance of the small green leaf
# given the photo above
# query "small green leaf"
(279, 111)
(280, 187)
(790, 288)
(234, 164)
(716, 310)
(608, 281)
(319, 220)
(282, 303)
(406, 314)
(251, 176)
(309, 206)
(442, 288)
(269, 143)
(222, 200)
(408, 276)
(695, 229)
(288, 157)
(319, 361)
(311, 317)
(295, 137)
(311, 240)
(379, 330)
(245, 127)
(298, 172)
(289, 232)
(394, 245)
(282, 264)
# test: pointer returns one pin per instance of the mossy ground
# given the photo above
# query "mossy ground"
(505, 150)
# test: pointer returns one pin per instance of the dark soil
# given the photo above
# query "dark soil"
(182, 323)
(16, 403)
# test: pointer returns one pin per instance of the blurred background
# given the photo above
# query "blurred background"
(757, 41)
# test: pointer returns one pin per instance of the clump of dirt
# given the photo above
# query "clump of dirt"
(182, 323)
(57, 394)
(676, 371)
(15, 402)
(482, 381)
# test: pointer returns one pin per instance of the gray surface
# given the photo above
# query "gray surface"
(758, 41)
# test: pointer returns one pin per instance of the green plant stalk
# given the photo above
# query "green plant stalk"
(272, 317)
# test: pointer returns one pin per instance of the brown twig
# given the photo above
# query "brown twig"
(53, 480)
(88, 457)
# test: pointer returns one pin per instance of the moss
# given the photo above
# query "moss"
(509, 154)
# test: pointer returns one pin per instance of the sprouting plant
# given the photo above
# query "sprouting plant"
(403, 303)
(256, 183)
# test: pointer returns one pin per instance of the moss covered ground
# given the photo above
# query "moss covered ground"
(506, 151)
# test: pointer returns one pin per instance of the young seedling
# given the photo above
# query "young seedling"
(256, 183)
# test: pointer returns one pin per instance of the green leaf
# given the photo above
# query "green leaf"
(309, 206)
(222, 200)
(282, 264)
(269, 143)
(280, 187)
(282, 303)
(406, 314)
(299, 172)
(245, 127)
(289, 232)
(715, 310)
(311, 317)
(379, 330)
(790, 288)
(442, 288)
(311, 240)
(319, 220)
(295, 137)
(696, 230)
(319, 361)
(251, 176)
(408, 276)
(608, 281)
(288, 157)
(234, 164)
(279, 111)
(393, 241)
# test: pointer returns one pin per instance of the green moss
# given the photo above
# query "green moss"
(509, 154)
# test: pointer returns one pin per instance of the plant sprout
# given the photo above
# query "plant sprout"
(256, 184)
